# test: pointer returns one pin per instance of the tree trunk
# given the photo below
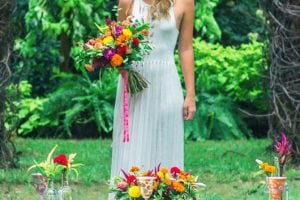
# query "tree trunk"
(284, 59)
(66, 45)
(7, 150)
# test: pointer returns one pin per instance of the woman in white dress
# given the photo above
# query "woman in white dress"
(156, 114)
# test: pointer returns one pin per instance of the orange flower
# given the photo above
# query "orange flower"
(183, 177)
(89, 67)
(116, 60)
(168, 181)
(155, 185)
(164, 170)
(144, 174)
(108, 33)
(98, 45)
(99, 39)
(145, 32)
(179, 187)
(134, 169)
(270, 169)
(121, 40)
(264, 165)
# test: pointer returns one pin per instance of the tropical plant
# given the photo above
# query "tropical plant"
(217, 117)
(76, 103)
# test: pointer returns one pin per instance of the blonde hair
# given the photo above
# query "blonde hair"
(160, 9)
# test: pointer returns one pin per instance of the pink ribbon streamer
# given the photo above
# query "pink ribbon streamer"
(125, 107)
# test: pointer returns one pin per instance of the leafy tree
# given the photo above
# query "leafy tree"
(238, 18)
(52, 30)
(205, 22)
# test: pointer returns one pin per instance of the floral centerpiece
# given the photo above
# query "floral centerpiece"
(52, 169)
(160, 183)
(276, 181)
(118, 45)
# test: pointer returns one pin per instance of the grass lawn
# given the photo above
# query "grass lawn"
(226, 167)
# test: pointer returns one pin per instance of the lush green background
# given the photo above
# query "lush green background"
(226, 167)
(48, 97)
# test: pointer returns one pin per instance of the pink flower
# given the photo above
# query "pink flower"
(283, 147)
(122, 186)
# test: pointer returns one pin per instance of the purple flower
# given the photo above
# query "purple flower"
(108, 21)
(99, 62)
(109, 53)
(283, 147)
(119, 30)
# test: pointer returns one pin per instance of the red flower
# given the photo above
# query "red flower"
(121, 50)
(61, 159)
(135, 42)
(175, 170)
(131, 179)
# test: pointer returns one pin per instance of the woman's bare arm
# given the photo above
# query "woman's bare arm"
(186, 55)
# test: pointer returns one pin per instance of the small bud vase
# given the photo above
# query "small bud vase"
(146, 184)
(277, 188)
(52, 193)
(65, 191)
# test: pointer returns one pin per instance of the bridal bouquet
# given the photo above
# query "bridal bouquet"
(160, 183)
(117, 46)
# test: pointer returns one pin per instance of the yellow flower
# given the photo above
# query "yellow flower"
(108, 40)
(190, 178)
(160, 174)
(134, 192)
(127, 33)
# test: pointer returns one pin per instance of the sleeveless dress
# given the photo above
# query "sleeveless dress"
(156, 134)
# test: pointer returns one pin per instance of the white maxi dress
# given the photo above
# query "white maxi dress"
(156, 134)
